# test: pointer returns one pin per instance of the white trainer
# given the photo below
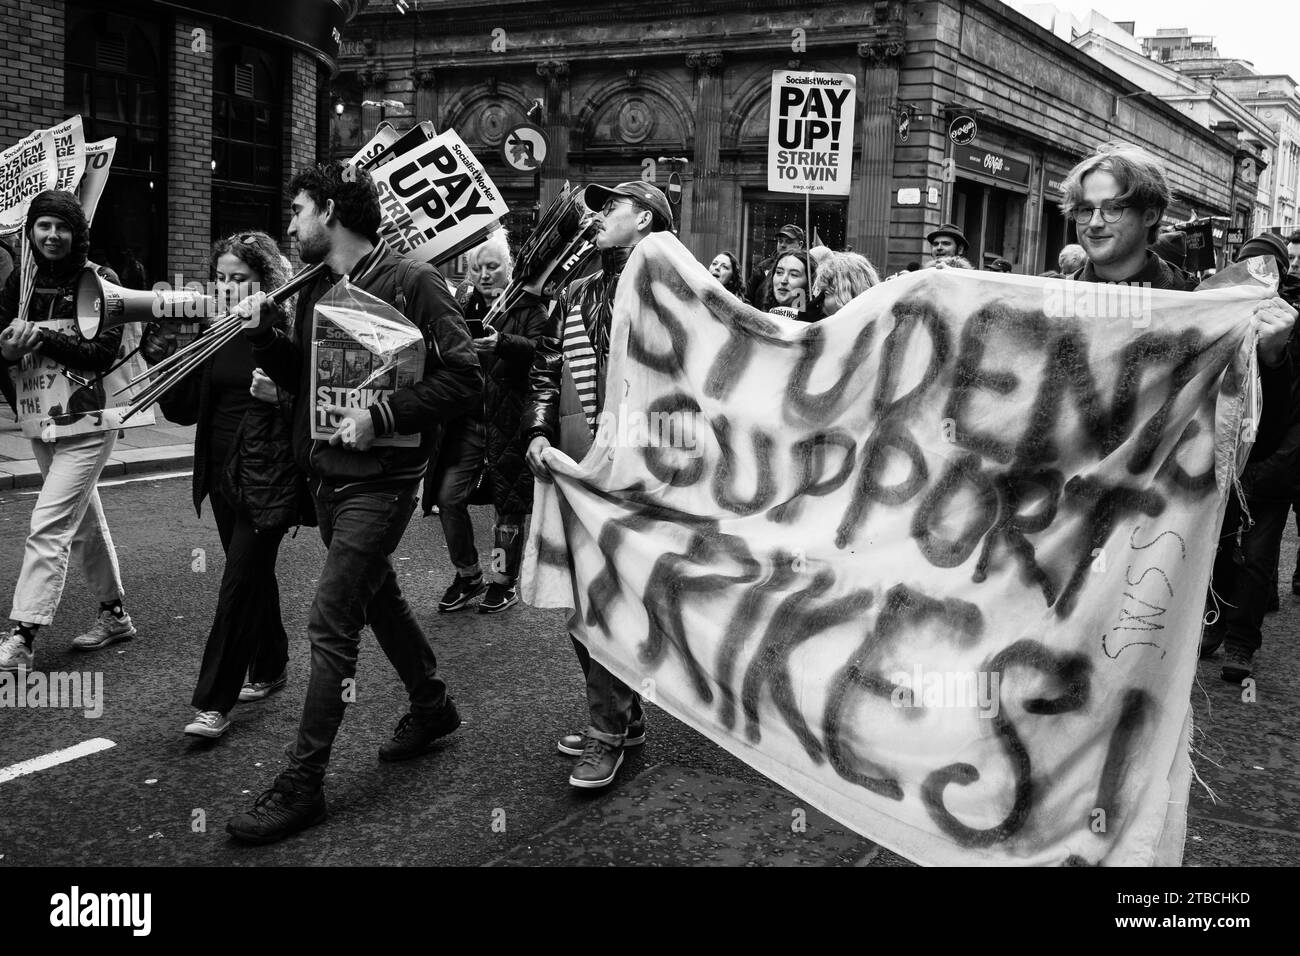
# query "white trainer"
(15, 655)
(208, 723)
(107, 630)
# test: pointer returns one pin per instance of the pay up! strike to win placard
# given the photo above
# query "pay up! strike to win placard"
(437, 200)
(810, 133)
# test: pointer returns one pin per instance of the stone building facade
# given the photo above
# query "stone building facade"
(620, 86)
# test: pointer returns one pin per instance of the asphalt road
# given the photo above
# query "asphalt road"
(496, 792)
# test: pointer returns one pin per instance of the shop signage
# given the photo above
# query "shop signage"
(989, 163)
(963, 130)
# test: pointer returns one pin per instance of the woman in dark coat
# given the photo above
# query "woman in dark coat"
(481, 457)
(243, 464)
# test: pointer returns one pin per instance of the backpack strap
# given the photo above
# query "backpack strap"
(403, 270)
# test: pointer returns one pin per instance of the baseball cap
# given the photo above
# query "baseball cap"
(643, 193)
(791, 231)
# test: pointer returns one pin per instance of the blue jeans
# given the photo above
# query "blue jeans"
(358, 587)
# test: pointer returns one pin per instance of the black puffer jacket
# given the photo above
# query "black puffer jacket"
(259, 475)
(505, 389)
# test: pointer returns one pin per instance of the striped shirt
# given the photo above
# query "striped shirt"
(580, 356)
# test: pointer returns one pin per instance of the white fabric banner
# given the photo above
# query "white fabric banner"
(936, 564)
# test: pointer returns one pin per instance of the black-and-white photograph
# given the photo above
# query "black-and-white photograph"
(857, 435)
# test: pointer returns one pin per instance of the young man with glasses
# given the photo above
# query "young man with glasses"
(1117, 198)
(567, 390)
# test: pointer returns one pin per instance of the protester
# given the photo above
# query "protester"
(1071, 259)
(8, 261)
(1293, 253)
(6, 383)
(790, 238)
(243, 464)
(947, 241)
(364, 494)
(818, 255)
(840, 279)
(1245, 569)
(484, 448)
(567, 395)
(790, 291)
(999, 265)
(67, 519)
(1117, 197)
(726, 270)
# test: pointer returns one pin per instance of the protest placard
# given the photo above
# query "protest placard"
(362, 350)
(28, 167)
(437, 200)
(810, 132)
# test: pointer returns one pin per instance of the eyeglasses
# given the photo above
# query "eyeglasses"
(1110, 212)
(612, 204)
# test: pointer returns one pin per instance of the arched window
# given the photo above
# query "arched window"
(246, 165)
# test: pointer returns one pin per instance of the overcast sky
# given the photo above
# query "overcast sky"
(1266, 32)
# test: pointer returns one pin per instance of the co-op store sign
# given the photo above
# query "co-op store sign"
(993, 164)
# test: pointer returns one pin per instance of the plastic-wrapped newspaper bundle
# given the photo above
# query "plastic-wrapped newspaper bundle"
(363, 350)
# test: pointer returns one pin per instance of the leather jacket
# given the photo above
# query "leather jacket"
(594, 295)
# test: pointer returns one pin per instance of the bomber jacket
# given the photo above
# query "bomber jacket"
(451, 386)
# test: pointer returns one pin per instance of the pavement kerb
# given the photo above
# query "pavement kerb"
(128, 461)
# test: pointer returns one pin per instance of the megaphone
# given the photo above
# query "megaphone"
(102, 305)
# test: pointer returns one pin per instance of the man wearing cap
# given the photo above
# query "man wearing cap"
(74, 442)
(790, 238)
(567, 390)
(947, 241)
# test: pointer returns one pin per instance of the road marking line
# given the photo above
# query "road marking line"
(83, 749)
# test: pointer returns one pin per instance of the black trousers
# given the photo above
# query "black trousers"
(247, 633)
(1245, 573)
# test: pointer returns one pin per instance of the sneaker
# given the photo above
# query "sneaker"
(461, 592)
(260, 690)
(1236, 664)
(1210, 641)
(208, 723)
(15, 655)
(571, 744)
(415, 734)
(107, 630)
(279, 812)
(498, 598)
(597, 765)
